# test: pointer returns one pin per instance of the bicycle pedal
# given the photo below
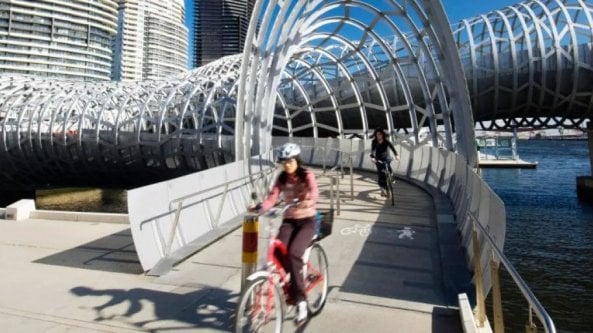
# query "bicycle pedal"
(312, 278)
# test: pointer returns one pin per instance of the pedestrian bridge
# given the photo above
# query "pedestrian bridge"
(416, 256)
(390, 267)
(401, 266)
(526, 65)
(315, 70)
(386, 264)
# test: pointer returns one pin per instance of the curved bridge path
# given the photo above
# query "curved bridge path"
(388, 271)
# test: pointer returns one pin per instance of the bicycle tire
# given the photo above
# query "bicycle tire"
(316, 277)
(390, 189)
(251, 314)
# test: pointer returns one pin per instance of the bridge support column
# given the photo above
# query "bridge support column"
(585, 183)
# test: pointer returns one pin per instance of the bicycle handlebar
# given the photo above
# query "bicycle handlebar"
(278, 211)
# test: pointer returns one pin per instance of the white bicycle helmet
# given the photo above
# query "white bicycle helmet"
(288, 150)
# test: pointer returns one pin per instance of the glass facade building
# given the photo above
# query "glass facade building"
(220, 28)
(70, 39)
(151, 41)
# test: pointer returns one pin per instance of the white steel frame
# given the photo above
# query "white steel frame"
(315, 69)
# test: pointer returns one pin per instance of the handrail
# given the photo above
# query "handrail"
(179, 201)
(534, 304)
(341, 165)
(182, 198)
(334, 180)
(261, 173)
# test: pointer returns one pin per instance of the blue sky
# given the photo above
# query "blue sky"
(460, 9)
(456, 10)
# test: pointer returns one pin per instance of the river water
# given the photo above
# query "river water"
(549, 236)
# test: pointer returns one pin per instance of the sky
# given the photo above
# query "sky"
(456, 10)
(460, 9)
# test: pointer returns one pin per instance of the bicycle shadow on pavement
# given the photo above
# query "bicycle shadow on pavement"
(155, 311)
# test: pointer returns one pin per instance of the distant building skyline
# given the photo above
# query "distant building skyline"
(219, 28)
(71, 40)
(152, 40)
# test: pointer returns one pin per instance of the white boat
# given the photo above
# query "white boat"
(500, 151)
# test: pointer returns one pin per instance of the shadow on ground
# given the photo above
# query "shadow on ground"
(112, 253)
(205, 308)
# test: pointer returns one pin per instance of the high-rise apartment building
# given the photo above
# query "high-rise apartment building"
(70, 39)
(151, 41)
(220, 28)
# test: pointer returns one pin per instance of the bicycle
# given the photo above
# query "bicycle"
(262, 305)
(389, 179)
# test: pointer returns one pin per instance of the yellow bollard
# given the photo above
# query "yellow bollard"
(249, 255)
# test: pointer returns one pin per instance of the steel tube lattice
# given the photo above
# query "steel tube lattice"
(344, 67)
(317, 68)
(530, 64)
(65, 132)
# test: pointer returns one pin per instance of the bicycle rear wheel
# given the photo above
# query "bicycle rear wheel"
(316, 278)
(261, 308)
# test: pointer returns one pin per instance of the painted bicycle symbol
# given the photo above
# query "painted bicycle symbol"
(363, 230)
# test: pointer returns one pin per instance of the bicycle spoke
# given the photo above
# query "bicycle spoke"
(316, 283)
(260, 308)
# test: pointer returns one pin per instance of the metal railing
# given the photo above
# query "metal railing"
(349, 162)
(534, 304)
(178, 202)
(335, 177)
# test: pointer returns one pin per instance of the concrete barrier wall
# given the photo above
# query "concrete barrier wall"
(210, 201)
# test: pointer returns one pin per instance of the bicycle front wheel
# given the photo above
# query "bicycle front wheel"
(316, 278)
(390, 189)
(260, 308)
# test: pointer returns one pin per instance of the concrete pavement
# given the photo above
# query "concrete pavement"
(386, 274)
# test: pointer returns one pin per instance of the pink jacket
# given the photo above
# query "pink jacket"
(306, 192)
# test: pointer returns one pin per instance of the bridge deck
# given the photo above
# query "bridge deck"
(384, 277)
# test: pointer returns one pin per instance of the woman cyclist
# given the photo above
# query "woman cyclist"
(380, 153)
(298, 224)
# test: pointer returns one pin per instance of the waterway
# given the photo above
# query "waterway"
(549, 236)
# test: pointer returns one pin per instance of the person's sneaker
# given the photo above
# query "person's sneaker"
(301, 315)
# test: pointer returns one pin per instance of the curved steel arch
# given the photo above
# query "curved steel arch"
(66, 132)
(318, 68)
(530, 64)
(294, 29)
(162, 128)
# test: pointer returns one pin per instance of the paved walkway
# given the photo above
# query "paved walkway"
(385, 274)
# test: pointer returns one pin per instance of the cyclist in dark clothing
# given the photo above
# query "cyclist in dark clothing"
(379, 152)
